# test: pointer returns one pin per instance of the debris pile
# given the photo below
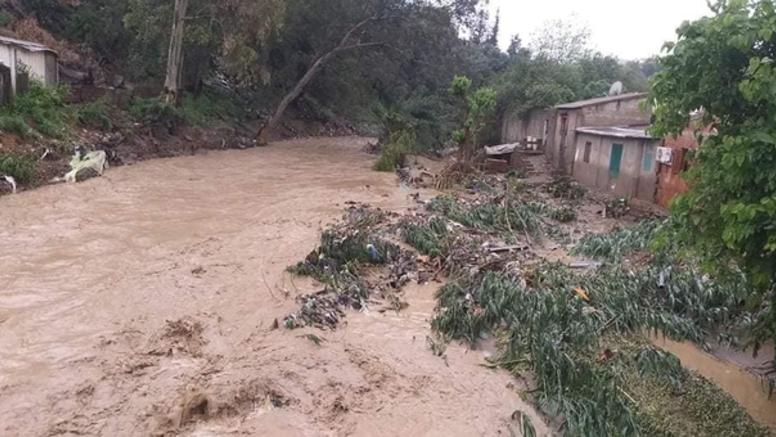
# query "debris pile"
(356, 262)
(578, 331)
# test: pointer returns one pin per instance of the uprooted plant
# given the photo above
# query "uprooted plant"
(345, 251)
(569, 331)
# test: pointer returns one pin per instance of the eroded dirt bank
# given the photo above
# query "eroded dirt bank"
(142, 302)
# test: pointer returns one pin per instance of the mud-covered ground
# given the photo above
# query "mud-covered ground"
(142, 303)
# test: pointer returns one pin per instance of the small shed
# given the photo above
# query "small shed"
(21, 61)
(621, 160)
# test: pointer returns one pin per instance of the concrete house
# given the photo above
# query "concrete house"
(621, 160)
(21, 61)
(621, 110)
(534, 130)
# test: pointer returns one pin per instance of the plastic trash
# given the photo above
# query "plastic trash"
(97, 161)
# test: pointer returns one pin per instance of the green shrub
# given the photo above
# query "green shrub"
(15, 124)
(153, 110)
(20, 167)
(208, 106)
(394, 153)
(43, 108)
(94, 115)
(564, 214)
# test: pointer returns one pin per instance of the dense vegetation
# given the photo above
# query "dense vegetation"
(723, 69)
(412, 50)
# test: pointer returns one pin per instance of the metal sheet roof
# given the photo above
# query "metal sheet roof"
(599, 100)
(27, 45)
(617, 132)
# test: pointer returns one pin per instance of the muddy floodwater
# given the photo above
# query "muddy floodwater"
(751, 391)
(142, 303)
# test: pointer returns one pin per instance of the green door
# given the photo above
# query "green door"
(615, 160)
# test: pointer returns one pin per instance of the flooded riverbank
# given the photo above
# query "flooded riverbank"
(141, 303)
(746, 388)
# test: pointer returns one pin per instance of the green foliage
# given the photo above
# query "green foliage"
(569, 342)
(15, 124)
(564, 214)
(94, 115)
(430, 238)
(618, 244)
(204, 108)
(480, 106)
(154, 110)
(492, 217)
(43, 108)
(460, 86)
(566, 188)
(724, 65)
(21, 168)
(5, 18)
(394, 153)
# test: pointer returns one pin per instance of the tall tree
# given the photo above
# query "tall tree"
(172, 82)
(562, 41)
(724, 66)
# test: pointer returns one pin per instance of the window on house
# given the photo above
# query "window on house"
(649, 159)
(588, 149)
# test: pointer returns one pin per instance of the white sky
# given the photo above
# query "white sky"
(629, 29)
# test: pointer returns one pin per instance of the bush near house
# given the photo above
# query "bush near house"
(40, 111)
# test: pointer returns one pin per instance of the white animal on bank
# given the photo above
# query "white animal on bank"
(97, 161)
(11, 181)
(616, 89)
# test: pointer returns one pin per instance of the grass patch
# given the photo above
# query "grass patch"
(15, 124)
(20, 167)
(94, 115)
(40, 110)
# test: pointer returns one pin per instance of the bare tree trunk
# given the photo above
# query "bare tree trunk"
(172, 83)
(263, 134)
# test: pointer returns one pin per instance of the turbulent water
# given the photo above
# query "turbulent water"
(142, 303)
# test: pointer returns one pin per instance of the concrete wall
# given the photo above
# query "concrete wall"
(43, 65)
(634, 181)
(562, 150)
(670, 181)
(517, 129)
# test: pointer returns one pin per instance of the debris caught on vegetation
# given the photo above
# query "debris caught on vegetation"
(357, 262)
(563, 187)
(577, 325)
(96, 161)
(617, 208)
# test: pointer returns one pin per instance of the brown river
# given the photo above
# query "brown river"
(141, 303)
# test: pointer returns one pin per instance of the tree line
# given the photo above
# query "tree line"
(367, 61)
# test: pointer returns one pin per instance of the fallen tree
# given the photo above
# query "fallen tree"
(347, 43)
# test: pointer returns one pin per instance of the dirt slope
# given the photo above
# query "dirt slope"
(141, 303)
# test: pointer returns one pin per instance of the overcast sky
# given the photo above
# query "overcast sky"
(629, 29)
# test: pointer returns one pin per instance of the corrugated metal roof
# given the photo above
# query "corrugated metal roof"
(617, 132)
(27, 45)
(599, 100)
